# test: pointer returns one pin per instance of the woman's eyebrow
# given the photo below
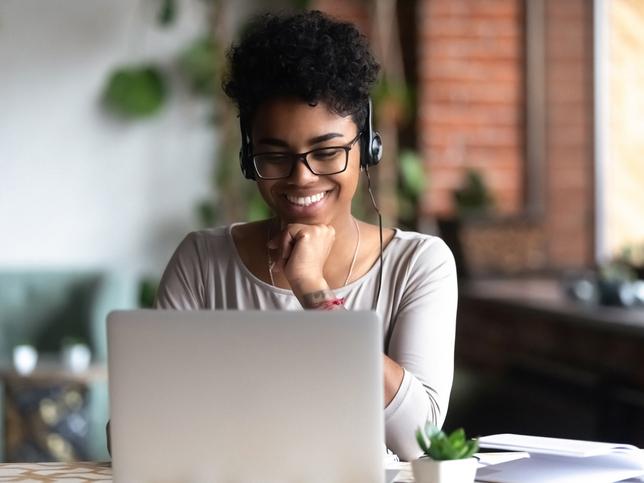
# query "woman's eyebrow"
(325, 137)
(311, 142)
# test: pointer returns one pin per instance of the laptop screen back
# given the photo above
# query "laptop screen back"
(246, 396)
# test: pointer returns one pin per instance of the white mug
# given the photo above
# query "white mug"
(25, 358)
(76, 357)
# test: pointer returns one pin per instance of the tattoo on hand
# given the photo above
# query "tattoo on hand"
(316, 298)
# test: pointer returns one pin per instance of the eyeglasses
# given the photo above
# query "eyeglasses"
(321, 161)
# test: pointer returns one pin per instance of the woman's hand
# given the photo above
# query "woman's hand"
(302, 251)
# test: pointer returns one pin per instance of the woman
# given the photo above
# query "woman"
(301, 83)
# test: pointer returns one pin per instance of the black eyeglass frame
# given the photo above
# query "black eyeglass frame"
(295, 157)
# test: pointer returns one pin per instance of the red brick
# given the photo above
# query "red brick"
(498, 156)
(488, 8)
(471, 92)
(445, 27)
(471, 70)
(468, 48)
(470, 114)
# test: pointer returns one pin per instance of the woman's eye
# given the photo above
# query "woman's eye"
(273, 158)
(326, 154)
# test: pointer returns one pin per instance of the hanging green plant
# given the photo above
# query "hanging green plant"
(135, 91)
(395, 100)
(198, 65)
(167, 13)
(412, 174)
(412, 181)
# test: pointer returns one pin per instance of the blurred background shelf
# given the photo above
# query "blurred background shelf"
(529, 360)
(44, 308)
(49, 413)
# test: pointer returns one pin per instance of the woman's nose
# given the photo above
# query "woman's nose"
(301, 171)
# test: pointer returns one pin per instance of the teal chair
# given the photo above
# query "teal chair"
(44, 307)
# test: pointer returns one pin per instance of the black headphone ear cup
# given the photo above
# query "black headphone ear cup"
(245, 153)
(376, 149)
(365, 152)
(243, 164)
(370, 142)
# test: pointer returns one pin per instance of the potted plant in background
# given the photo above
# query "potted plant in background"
(447, 458)
(472, 202)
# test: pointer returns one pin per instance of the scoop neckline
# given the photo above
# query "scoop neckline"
(285, 291)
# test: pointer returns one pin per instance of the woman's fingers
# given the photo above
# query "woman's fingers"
(300, 250)
(282, 244)
(287, 242)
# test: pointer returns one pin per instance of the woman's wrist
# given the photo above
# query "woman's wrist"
(322, 300)
(316, 295)
(306, 288)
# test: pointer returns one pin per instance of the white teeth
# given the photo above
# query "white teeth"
(306, 200)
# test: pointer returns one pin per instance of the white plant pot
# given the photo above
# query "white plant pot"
(426, 470)
(76, 357)
(25, 358)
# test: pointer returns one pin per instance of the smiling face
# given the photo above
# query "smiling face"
(293, 126)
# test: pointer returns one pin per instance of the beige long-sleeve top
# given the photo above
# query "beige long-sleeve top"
(417, 304)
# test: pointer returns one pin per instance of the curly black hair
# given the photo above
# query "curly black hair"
(307, 55)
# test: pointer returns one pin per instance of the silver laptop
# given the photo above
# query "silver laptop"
(245, 396)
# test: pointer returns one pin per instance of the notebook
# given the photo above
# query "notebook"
(246, 396)
(558, 460)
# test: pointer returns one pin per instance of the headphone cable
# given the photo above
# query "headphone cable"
(375, 207)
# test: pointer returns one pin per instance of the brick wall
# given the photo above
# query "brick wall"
(471, 111)
(472, 114)
(569, 220)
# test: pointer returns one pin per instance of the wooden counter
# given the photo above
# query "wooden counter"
(56, 472)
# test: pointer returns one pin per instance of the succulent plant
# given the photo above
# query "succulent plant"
(440, 446)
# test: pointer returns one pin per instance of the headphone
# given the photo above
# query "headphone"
(370, 146)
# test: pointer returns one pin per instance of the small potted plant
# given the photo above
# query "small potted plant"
(447, 458)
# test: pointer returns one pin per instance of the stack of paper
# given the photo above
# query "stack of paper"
(556, 460)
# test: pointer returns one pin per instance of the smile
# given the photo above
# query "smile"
(306, 200)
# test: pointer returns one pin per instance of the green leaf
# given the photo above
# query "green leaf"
(135, 91)
(457, 438)
(432, 431)
(412, 174)
(422, 441)
(445, 447)
(198, 64)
